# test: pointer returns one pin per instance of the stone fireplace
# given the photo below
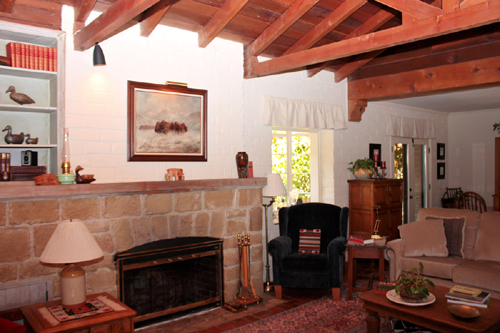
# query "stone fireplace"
(126, 215)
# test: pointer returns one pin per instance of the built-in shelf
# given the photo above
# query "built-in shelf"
(28, 146)
(29, 73)
(27, 108)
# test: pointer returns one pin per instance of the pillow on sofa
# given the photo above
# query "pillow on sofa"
(454, 230)
(424, 238)
(488, 236)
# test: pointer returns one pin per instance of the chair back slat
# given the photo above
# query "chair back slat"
(472, 201)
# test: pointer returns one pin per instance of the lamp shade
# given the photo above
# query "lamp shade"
(99, 59)
(274, 187)
(70, 243)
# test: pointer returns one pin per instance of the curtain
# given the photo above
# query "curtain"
(296, 113)
(410, 128)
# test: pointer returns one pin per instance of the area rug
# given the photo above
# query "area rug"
(322, 315)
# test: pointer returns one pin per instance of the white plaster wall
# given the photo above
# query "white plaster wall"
(470, 156)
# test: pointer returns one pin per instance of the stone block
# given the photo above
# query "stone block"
(256, 252)
(159, 225)
(235, 226)
(8, 272)
(230, 290)
(81, 209)
(201, 224)
(105, 242)
(3, 213)
(230, 242)
(173, 225)
(258, 283)
(122, 206)
(42, 235)
(250, 197)
(217, 224)
(186, 226)
(231, 257)
(100, 280)
(236, 213)
(34, 269)
(187, 202)
(97, 226)
(108, 261)
(124, 238)
(256, 238)
(158, 203)
(142, 230)
(14, 245)
(255, 219)
(232, 273)
(32, 212)
(242, 197)
(219, 199)
(256, 268)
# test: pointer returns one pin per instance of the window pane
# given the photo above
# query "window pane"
(279, 145)
(302, 182)
(279, 164)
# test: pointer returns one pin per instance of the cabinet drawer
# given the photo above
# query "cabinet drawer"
(100, 329)
(122, 327)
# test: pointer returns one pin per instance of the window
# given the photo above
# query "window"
(295, 158)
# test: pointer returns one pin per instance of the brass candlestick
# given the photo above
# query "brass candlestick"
(268, 286)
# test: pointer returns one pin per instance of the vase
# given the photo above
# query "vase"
(242, 164)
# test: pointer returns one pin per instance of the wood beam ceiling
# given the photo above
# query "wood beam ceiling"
(6, 6)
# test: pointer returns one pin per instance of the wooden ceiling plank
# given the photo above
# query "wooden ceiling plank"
(451, 6)
(226, 13)
(278, 27)
(112, 19)
(463, 19)
(465, 75)
(469, 3)
(153, 15)
(326, 25)
(83, 9)
(356, 64)
(6, 6)
(416, 8)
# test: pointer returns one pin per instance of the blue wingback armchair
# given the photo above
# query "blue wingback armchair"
(292, 269)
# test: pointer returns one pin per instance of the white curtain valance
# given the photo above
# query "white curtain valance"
(410, 128)
(294, 113)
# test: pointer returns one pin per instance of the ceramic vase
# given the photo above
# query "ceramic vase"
(242, 164)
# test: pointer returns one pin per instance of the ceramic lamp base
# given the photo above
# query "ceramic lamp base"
(73, 286)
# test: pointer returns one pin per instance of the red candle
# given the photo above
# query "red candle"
(382, 163)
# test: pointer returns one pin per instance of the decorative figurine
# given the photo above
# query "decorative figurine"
(13, 138)
(18, 97)
(31, 141)
(83, 179)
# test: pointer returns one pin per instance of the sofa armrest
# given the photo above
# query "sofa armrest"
(279, 248)
(394, 253)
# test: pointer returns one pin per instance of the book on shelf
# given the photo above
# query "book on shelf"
(31, 56)
(480, 298)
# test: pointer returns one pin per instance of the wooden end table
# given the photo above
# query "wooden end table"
(367, 251)
(118, 321)
(434, 316)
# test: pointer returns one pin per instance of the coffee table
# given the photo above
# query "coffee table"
(434, 316)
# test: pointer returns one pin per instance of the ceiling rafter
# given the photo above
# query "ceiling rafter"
(82, 12)
(415, 8)
(226, 13)
(119, 14)
(153, 15)
(479, 15)
(6, 6)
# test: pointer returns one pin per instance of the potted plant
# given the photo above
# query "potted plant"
(496, 127)
(412, 287)
(363, 168)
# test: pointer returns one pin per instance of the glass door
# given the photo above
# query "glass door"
(411, 164)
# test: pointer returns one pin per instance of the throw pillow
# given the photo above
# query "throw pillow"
(424, 238)
(309, 240)
(454, 229)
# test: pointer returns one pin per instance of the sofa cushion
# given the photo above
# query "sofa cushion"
(441, 267)
(424, 238)
(478, 273)
(454, 230)
(488, 236)
(305, 262)
(472, 219)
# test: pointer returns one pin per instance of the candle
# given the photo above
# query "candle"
(375, 155)
(66, 146)
(382, 164)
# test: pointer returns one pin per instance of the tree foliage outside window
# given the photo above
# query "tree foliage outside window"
(398, 160)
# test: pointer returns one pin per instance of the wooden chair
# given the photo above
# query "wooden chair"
(472, 201)
(450, 196)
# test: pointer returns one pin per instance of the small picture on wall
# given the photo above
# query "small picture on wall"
(441, 170)
(440, 150)
(376, 152)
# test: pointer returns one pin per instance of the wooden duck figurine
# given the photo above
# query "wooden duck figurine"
(18, 97)
(83, 179)
(13, 138)
(31, 141)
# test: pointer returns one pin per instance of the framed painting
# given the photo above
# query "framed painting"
(166, 123)
(441, 171)
(440, 151)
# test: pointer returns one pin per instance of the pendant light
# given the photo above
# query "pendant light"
(98, 56)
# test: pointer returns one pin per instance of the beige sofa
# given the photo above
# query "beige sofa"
(467, 254)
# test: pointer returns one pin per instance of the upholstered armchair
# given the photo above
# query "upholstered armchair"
(309, 251)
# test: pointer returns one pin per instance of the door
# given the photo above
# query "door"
(411, 158)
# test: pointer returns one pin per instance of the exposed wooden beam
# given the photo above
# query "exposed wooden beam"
(112, 19)
(469, 3)
(326, 25)
(6, 6)
(153, 15)
(475, 16)
(450, 5)
(355, 64)
(82, 12)
(278, 27)
(225, 14)
(418, 9)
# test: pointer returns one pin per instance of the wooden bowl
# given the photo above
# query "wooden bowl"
(464, 311)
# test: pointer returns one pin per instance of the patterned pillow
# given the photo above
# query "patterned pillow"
(454, 230)
(309, 241)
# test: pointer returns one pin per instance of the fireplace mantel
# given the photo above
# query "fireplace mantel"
(28, 190)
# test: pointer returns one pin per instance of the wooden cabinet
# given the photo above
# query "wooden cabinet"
(42, 119)
(364, 195)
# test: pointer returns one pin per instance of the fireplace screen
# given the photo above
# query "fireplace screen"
(170, 276)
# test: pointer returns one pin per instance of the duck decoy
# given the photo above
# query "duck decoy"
(83, 179)
(18, 97)
(13, 138)
(31, 141)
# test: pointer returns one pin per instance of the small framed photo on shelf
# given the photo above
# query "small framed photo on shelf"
(440, 151)
(376, 152)
(441, 171)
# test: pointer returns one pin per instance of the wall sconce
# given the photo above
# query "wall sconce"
(99, 59)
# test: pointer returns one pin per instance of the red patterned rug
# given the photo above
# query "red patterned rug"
(320, 316)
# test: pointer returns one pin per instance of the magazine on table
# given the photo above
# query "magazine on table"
(482, 297)
(479, 305)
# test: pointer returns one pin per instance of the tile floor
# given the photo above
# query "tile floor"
(221, 320)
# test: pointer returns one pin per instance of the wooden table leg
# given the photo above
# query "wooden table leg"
(372, 322)
(350, 273)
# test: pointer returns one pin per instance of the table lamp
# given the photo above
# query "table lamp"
(71, 243)
(274, 188)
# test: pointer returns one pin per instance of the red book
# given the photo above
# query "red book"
(50, 59)
(356, 240)
(24, 57)
(54, 58)
(45, 58)
(36, 57)
(11, 52)
(31, 56)
(19, 55)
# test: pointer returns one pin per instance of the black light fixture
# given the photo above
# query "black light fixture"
(98, 56)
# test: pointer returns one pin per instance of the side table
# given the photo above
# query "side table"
(111, 322)
(366, 251)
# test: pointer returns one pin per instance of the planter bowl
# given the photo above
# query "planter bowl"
(363, 173)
